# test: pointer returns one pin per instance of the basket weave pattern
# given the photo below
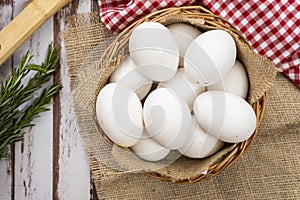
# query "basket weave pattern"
(261, 73)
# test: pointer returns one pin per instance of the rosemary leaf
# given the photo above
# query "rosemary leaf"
(18, 102)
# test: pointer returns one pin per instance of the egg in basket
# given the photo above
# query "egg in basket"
(178, 95)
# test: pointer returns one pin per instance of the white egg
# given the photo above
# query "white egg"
(183, 87)
(128, 75)
(200, 144)
(210, 57)
(235, 82)
(148, 149)
(167, 118)
(226, 116)
(154, 50)
(183, 34)
(119, 112)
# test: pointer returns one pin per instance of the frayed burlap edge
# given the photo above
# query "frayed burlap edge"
(264, 67)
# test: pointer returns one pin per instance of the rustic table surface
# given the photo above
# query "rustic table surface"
(50, 162)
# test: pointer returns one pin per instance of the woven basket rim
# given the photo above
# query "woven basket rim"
(213, 21)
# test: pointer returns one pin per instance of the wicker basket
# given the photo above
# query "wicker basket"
(204, 20)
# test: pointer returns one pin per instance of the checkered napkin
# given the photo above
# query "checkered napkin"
(118, 14)
(271, 27)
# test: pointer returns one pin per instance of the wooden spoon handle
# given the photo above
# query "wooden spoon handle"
(26, 23)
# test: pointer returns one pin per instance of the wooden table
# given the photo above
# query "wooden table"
(50, 162)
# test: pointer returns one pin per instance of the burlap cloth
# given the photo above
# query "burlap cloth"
(269, 170)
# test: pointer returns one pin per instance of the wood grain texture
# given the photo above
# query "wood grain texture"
(7, 165)
(74, 173)
(27, 21)
(50, 162)
(33, 156)
(5, 2)
(5, 182)
(6, 15)
(33, 171)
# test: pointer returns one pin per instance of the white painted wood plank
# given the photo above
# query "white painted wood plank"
(5, 17)
(33, 159)
(5, 180)
(74, 176)
(5, 69)
(33, 156)
(6, 13)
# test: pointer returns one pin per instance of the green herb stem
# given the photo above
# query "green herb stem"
(18, 104)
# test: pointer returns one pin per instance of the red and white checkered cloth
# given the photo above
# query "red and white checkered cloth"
(271, 27)
(118, 14)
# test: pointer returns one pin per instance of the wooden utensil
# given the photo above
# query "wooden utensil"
(26, 23)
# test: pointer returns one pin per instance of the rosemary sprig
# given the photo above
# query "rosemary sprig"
(18, 105)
